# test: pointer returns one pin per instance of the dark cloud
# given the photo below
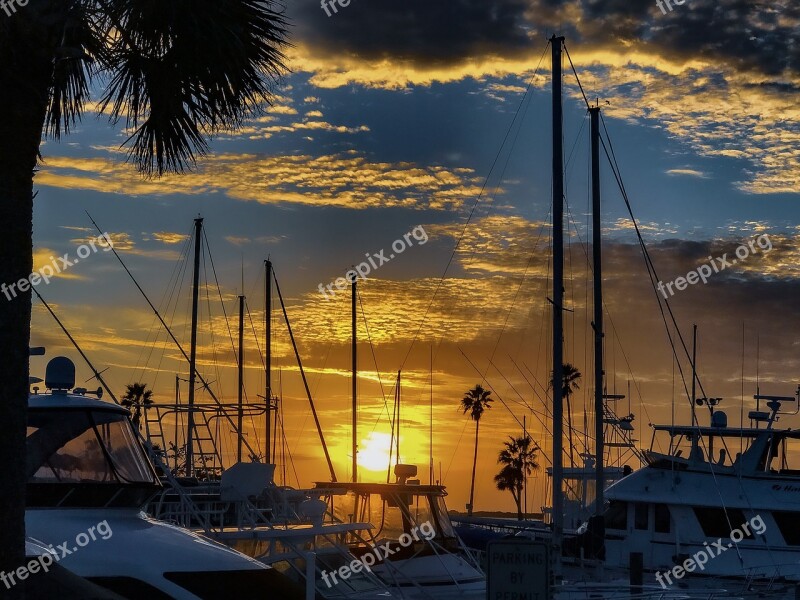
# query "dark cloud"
(423, 31)
(744, 34)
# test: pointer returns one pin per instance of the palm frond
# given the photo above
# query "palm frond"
(75, 45)
(182, 70)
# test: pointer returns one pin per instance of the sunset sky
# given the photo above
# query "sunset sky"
(402, 114)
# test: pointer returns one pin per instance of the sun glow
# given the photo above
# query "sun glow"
(373, 453)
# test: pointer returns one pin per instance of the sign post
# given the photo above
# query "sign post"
(518, 569)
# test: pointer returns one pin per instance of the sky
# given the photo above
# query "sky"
(431, 120)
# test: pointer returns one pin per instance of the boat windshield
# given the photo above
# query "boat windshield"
(394, 513)
(85, 446)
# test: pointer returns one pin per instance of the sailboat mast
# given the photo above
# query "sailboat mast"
(355, 377)
(268, 363)
(198, 232)
(240, 414)
(558, 301)
(598, 312)
(430, 424)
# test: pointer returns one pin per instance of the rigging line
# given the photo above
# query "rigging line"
(211, 328)
(499, 397)
(360, 297)
(608, 314)
(256, 428)
(307, 413)
(653, 278)
(221, 301)
(147, 345)
(618, 175)
(288, 448)
(536, 413)
(305, 381)
(578, 79)
(547, 411)
(255, 335)
(163, 323)
(474, 208)
(176, 289)
(513, 304)
(652, 272)
(511, 412)
(521, 402)
(527, 266)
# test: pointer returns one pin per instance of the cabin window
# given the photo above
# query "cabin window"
(662, 518)
(716, 523)
(617, 515)
(640, 511)
(789, 525)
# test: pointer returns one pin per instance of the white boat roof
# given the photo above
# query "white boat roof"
(726, 431)
(62, 400)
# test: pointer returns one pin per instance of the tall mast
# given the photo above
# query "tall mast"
(694, 375)
(399, 389)
(355, 378)
(558, 302)
(430, 425)
(268, 364)
(598, 312)
(198, 232)
(240, 415)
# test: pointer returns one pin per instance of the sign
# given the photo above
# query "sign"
(517, 569)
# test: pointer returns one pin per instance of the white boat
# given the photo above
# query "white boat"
(726, 497)
(88, 481)
(413, 543)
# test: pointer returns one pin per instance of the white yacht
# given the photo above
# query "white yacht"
(88, 480)
(731, 493)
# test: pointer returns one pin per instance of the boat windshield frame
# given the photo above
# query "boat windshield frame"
(86, 456)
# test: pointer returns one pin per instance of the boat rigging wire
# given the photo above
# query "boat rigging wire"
(166, 327)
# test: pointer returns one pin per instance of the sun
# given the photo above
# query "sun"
(373, 453)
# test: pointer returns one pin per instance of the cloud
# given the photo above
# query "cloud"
(262, 240)
(169, 238)
(721, 75)
(688, 173)
(344, 180)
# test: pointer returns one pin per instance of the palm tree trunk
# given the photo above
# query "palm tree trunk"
(24, 81)
(474, 465)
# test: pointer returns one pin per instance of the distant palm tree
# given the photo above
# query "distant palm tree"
(569, 384)
(137, 397)
(173, 71)
(475, 402)
(519, 461)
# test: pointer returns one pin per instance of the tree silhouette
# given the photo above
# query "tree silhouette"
(475, 402)
(173, 72)
(137, 397)
(519, 461)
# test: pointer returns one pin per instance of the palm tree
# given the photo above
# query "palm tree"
(475, 402)
(569, 384)
(174, 72)
(519, 461)
(137, 397)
